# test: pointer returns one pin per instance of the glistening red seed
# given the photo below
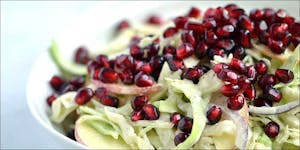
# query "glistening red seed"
(237, 65)
(83, 96)
(175, 117)
(261, 67)
(188, 37)
(192, 74)
(225, 44)
(109, 100)
(78, 81)
(100, 92)
(230, 90)
(180, 22)
(251, 73)
(174, 63)
(123, 25)
(272, 129)
(170, 32)
(184, 50)
(151, 112)
(51, 99)
(201, 49)
(136, 52)
(250, 92)
(194, 12)
(284, 75)
(56, 82)
(81, 55)
(126, 76)
(236, 102)
(219, 67)
(180, 137)
(143, 80)
(137, 115)
(272, 94)
(267, 79)
(214, 114)
(108, 75)
(146, 68)
(225, 31)
(138, 102)
(185, 124)
(228, 75)
(155, 19)
(103, 60)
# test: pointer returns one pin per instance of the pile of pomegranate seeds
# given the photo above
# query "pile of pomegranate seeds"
(142, 110)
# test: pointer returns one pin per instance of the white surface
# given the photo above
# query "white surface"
(26, 31)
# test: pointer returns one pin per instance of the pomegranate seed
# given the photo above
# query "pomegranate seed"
(251, 73)
(136, 52)
(209, 23)
(93, 65)
(286, 40)
(180, 22)
(193, 74)
(214, 114)
(221, 14)
(261, 67)
(175, 117)
(154, 19)
(185, 124)
(146, 68)
(276, 46)
(51, 99)
(219, 67)
(123, 25)
(272, 94)
(109, 100)
(209, 13)
(137, 115)
(235, 102)
(126, 76)
(103, 60)
(245, 38)
(210, 37)
(230, 7)
(266, 79)
(143, 80)
(195, 26)
(278, 30)
(269, 15)
(188, 37)
(243, 82)
(263, 37)
(194, 12)
(237, 65)
(152, 50)
(232, 21)
(95, 74)
(259, 102)
(125, 62)
(78, 82)
(272, 129)
(184, 50)
(215, 51)
(246, 23)
(250, 92)
(256, 14)
(174, 63)
(108, 75)
(280, 15)
(226, 44)
(169, 50)
(100, 92)
(295, 28)
(67, 88)
(296, 40)
(201, 49)
(83, 96)
(289, 20)
(82, 55)
(151, 112)
(236, 13)
(225, 31)
(284, 76)
(56, 82)
(138, 102)
(170, 32)
(230, 90)
(239, 52)
(156, 64)
(180, 137)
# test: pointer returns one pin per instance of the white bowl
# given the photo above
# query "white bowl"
(93, 30)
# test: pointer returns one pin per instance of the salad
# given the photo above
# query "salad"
(216, 79)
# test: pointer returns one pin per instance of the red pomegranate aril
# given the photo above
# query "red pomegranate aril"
(250, 92)
(295, 40)
(276, 46)
(100, 92)
(236, 102)
(269, 15)
(214, 114)
(109, 100)
(230, 90)
(251, 73)
(169, 50)
(108, 75)
(245, 38)
(219, 67)
(195, 26)
(174, 63)
(261, 67)
(232, 21)
(263, 37)
(256, 14)
(56, 82)
(286, 40)
(230, 7)
(156, 64)
(175, 117)
(237, 65)
(243, 82)
(143, 80)
(215, 51)
(137, 115)
(123, 25)
(225, 31)
(82, 55)
(180, 22)
(170, 32)
(272, 94)
(246, 23)
(155, 20)
(92, 65)
(295, 28)
(151, 112)
(289, 20)
(67, 87)
(260, 101)
(239, 52)
(146, 68)
(284, 75)
(136, 52)
(103, 60)
(209, 13)
(126, 76)
(272, 129)
(278, 30)
(202, 68)
(180, 137)
(184, 50)
(188, 37)
(236, 13)
(78, 81)
(209, 23)
(266, 79)
(192, 74)
(83, 96)
(201, 49)
(210, 36)
(139, 101)
(280, 15)
(125, 62)
(51, 99)
(185, 124)
(95, 74)
(226, 44)
(221, 14)
(152, 50)
(194, 12)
